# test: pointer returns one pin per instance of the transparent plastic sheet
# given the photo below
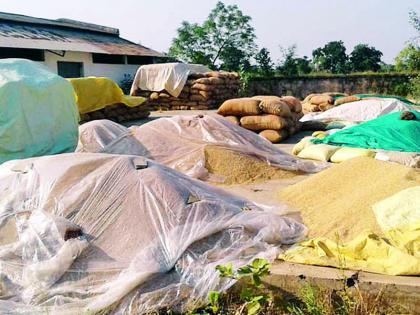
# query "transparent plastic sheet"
(122, 234)
(360, 111)
(105, 136)
(179, 142)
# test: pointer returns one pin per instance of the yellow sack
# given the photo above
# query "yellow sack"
(320, 134)
(345, 153)
(302, 144)
(399, 218)
(94, 93)
(318, 152)
(368, 252)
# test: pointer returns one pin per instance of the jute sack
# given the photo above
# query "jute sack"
(308, 98)
(293, 103)
(320, 99)
(310, 108)
(347, 99)
(240, 107)
(233, 119)
(325, 106)
(263, 122)
(274, 136)
(274, 105)
(203, 87)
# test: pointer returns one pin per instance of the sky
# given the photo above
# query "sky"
(278, 23)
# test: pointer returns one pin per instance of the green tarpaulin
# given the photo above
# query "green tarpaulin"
(388, 132)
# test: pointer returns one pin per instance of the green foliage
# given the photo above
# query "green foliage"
(408, 59)
(126, 83)
(365, 58)
(264, 63)
(332, 57)
(415, 88)
(292, 65)
(225, 40)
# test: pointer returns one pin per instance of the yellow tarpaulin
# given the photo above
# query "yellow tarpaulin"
(396, 254)
(94, 93)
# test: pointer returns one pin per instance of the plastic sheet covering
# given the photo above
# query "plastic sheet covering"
(360, 111)
(95, 93)
(165, 76)
(122, 235)
(179, 142)
(38, 113)
(105, 136)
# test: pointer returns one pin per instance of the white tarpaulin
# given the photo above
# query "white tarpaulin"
(38, 112)
(180, 141)
(165, 76)
(360, 111)
(93, 232)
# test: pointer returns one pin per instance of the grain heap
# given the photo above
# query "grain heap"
(274, 118)
(340, 199)
(325, 101)
(117, 112)
(201, 92)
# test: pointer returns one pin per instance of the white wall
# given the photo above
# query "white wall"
(115, 72)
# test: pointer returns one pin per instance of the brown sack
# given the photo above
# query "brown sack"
(293, 103)
(240, 107)
(319, 99)
(274, 105)
(346, 99)
(203, 87)
(198, 98)
(274, 136)
(262, 122)
(308, 98)
(325, 106)
(233, 119)
(310, 108)
(203, 81)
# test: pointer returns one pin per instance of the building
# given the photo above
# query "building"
(72, 48)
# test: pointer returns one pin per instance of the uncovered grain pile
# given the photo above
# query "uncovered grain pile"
(201, 92)
(274, 118)
(118, 113)
(339, 199)
(237, 168)
(325, 101)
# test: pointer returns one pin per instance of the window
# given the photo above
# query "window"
(31, 54)
(68, 69)
(139, 60)
(110, 59)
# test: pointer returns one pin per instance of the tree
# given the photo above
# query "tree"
(225, 40)
(408, 59)
(264, 63)
(332, 57)
(365, 58)
(292, 65)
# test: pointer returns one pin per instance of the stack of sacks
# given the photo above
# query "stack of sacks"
(306, 149)
(202, 91)
(274, 118)
(100, 98)
(321, 102)
(117, 112)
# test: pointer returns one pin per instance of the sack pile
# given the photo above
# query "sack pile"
(274, 118)
(201, 92)
(118, 113)
(325, 101)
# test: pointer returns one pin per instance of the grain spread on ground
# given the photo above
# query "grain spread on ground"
(238, 168)
(340, 199)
